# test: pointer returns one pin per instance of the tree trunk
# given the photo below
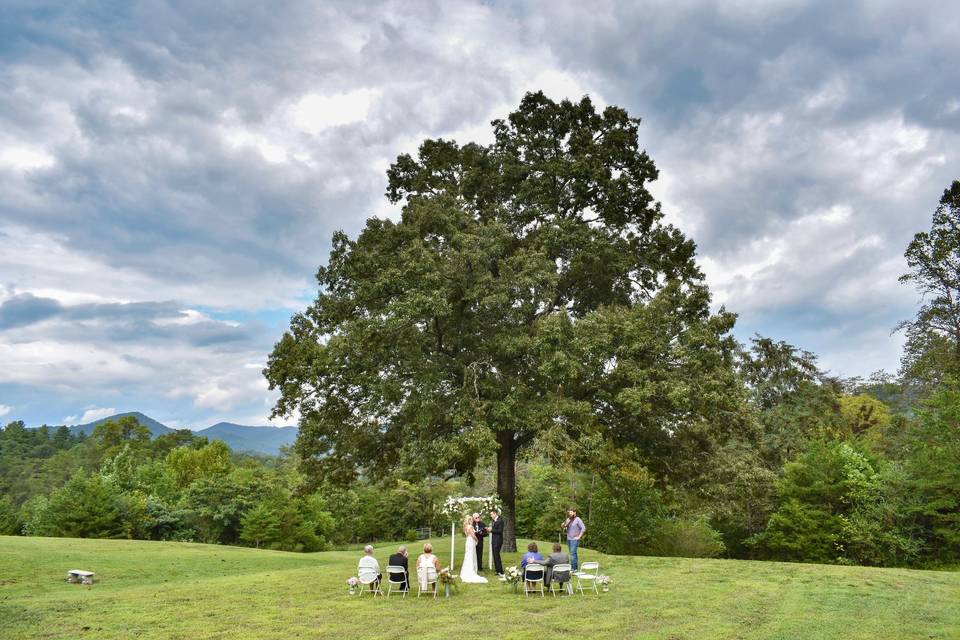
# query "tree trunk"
(507, 487)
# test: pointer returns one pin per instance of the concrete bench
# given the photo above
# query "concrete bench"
(78, 575)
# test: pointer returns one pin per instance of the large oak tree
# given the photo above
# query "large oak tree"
(530, 289)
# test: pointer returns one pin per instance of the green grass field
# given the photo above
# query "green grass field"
(175, 590)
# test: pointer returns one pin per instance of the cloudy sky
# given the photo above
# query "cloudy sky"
(171, 173)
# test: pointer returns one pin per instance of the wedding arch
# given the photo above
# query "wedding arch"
(456, 508)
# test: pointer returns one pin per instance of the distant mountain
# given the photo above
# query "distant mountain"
(266, 440)
(252, 439)
(156, 428)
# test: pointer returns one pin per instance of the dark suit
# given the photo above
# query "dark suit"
(400, 560)
(481, 530)
(557, 557)
(496, 541)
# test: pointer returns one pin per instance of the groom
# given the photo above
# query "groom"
(496, 540)
(481, 530)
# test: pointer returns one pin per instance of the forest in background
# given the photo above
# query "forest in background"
(838, 471)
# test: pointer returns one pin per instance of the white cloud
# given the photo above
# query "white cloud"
(90, 415)
(5, 409)
(25, 158)
(315, 112)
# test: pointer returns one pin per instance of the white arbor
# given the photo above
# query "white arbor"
(457, 508)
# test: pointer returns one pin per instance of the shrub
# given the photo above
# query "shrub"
(627, 509)
(10, 523)
(87, 507)
(687, 538)
(800, 532)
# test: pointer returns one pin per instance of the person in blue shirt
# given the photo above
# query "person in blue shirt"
(532, 555)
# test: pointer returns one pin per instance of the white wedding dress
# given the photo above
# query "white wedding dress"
(468, 571)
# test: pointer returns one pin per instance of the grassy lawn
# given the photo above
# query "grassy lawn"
(175, 590)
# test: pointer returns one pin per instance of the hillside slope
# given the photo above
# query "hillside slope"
(156, 428)
(256, 439)
(180, 590)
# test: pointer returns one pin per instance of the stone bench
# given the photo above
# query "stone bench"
(78, 575)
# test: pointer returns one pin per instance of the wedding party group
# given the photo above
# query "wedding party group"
(533, 566)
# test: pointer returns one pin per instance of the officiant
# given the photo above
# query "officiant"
(481, 530)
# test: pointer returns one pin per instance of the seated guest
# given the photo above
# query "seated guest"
(532, 555)
(427, 559)
(399, 559)
(369, 562)
(559, 556)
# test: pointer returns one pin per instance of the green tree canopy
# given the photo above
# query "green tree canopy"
(932, 350)
(530, 288)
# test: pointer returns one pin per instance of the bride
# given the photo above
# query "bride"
(468, 571)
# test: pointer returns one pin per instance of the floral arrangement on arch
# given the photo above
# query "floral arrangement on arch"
(455, 508)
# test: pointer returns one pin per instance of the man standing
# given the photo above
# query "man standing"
(575, 530)
(496, 540)
(399, 559)
(481, 530)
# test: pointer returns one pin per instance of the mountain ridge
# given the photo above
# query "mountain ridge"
(265, 439)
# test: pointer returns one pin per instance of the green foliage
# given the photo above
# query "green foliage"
(626, 508)
(737, 494)
(543, 493)
(110, 436)
(261, 524)
(386, 510)
(86, 507)
(187, 465)
(35, 514)
(810, 412)
(932, 472)
(686, 537)
(459, 331)
(932, 349)
(801, 532)
(836, 506)
(864, 415)
(10, 523)
(775, 370)
(34, 460)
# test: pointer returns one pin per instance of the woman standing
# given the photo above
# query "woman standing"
(468, 571)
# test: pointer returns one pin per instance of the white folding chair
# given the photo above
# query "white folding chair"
(397, 577)
(588, 573)
(561, 568)
(426, 576)
(368, 578)
(533, 567)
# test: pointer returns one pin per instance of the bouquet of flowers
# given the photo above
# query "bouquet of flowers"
(352, 584)
(446, 576)
(448, 579)
(512, 575)
(604, 582)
